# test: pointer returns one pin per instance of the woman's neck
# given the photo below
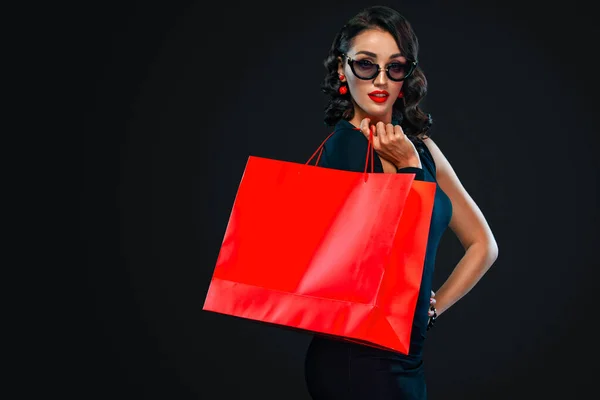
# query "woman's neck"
(373, 120)
(359, 116)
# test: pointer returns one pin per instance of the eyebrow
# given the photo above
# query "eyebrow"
(375, 55)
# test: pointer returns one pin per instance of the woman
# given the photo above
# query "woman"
(374, 82)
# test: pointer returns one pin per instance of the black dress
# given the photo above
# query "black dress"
(336, 369)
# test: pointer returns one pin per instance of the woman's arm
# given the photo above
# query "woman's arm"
(472, 230)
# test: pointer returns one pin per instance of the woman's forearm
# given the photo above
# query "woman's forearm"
(478, 258)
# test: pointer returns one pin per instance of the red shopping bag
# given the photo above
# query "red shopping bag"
(328, 251)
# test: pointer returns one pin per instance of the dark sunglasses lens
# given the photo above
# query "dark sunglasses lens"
(364, 69)
(399, 71)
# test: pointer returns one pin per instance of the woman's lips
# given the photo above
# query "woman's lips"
(379, 96)
(378, 99)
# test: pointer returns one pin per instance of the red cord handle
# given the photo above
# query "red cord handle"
(369, 150)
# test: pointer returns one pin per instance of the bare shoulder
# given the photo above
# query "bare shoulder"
(431, 145)
(445, 174)
(440, 160)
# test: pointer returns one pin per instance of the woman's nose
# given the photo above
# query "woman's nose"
(381, 77)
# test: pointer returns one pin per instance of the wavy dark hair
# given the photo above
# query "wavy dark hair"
(413, 120)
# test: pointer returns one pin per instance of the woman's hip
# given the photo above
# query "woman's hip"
(335, 369)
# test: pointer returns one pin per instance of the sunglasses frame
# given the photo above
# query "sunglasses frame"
(412, 63)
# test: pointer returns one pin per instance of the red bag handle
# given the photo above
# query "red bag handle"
(369, 150)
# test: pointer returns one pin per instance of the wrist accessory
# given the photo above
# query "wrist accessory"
(432, 319)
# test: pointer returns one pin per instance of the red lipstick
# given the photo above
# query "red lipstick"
(379, 96)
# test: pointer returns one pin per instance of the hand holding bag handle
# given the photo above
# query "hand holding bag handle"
(369, 150)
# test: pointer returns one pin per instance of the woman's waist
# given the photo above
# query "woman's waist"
(365, 350)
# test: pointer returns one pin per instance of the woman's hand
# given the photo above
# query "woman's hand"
(390, 142)
(431, 304)
(432, 311)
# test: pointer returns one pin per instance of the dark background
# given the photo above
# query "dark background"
(176, 95)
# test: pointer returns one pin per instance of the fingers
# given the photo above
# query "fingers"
(366, 129)
(398, 132)
(384, 132)
(364, 126)
(432, 302)
(376, 139)
(432, 309)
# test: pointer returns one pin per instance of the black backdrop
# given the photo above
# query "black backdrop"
(176, 95)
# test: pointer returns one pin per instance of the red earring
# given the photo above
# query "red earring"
(343, 89)
(400, 95)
